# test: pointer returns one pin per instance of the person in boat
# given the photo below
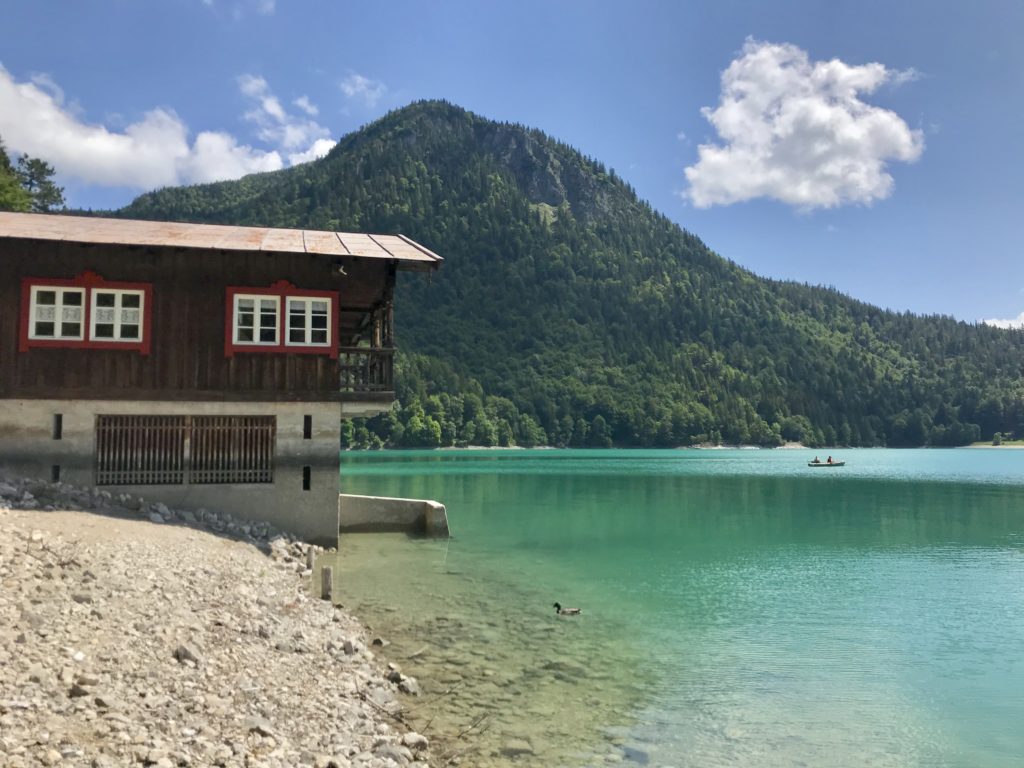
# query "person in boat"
(829, 461)
(816, 460)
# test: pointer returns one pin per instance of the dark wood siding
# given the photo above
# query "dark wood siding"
(187, 361)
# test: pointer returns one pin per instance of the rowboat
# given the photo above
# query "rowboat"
(825, 463)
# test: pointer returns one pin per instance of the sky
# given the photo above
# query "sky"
(875, 147)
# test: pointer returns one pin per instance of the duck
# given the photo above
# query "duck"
(567, 611)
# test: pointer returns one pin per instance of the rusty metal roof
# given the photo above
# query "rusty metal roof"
(86, 229)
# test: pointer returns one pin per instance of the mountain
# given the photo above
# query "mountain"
(570, 312)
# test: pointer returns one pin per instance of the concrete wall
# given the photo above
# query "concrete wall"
(360, 514)
(28, 448)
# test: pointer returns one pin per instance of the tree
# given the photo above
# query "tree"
(12, 196)
(36, 178)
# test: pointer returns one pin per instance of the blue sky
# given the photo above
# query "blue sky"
(870, 146)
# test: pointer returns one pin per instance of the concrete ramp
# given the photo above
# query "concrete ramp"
(380, 514)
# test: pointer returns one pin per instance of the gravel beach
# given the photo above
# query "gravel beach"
(133, 634)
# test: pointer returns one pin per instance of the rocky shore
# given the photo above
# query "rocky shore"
(134, 634)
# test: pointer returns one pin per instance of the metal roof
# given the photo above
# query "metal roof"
(99, 231)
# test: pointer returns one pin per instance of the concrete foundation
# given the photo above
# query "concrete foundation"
(377, 514)
(32, 446)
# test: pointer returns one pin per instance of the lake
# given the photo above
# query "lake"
(739, 608)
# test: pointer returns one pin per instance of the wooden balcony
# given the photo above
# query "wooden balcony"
(367, 373)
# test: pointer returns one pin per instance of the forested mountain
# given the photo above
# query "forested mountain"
(569, 312)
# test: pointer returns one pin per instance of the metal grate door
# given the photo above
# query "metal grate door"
(140, 450)
(232, 449)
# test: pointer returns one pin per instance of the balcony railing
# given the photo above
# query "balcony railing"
(366, 369)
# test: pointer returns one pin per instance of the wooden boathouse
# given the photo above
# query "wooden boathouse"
(202, 365)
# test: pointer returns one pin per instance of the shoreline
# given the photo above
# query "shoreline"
(131, 633)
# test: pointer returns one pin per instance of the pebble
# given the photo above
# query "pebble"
(160, 645)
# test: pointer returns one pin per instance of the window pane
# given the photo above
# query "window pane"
(245, 334)
(319, 337)
(44, 329)
(46, 313)
(70, 329)
(104, 299)
(46, 297)
(297, 336)
(105, 315)
(297, 320)
(71, 314)
(268, 305)
(246, 304)
(268, 335)
(71, 298)
(296, 306)
(104, 330)
(319, 321)
(268, 319)
(245, 319)
(319, 307)
(132, 300)
(129, 331)
(130, 316)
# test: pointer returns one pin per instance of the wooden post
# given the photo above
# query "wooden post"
(326, 582)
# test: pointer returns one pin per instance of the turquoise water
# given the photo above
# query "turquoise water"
(739, 608)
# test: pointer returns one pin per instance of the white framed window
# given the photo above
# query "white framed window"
(116, 315)
(308, 322)
(256, 319)
(57, 313)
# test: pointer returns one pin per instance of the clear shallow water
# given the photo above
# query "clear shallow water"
(740, 608)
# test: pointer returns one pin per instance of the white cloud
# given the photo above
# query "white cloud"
(797, 131)
(901, 76)
(1016, 322)
(320, 148)
(46, 83)
(368, 91)
(291, 133)
(306, 106)
(217, 156)
(681, 136)
(156, 150)
(151, 152)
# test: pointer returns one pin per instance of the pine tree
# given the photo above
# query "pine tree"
(36, 177)
(12, 196)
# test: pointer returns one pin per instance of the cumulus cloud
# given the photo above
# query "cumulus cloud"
(292, 133)
(158, 149)
(152, 152)
(1015, 322)
(320, 148)
(798, 131)
(363, 89)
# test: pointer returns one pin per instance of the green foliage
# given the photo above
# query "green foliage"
(12, 196)
(36, 178)
(29, 186)
(570, 313)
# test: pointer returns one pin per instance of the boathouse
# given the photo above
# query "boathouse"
(204, 366)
